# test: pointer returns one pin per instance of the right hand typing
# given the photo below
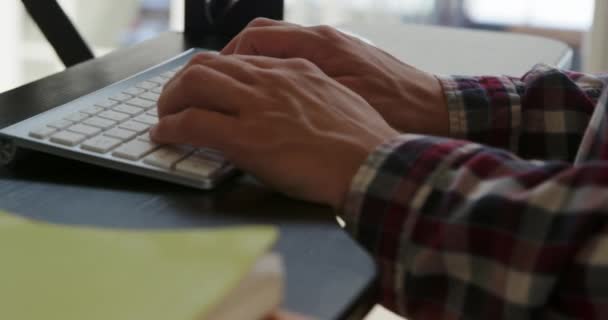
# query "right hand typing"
(408, 99)
(282, 120)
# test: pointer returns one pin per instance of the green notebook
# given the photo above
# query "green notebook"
(73, 273)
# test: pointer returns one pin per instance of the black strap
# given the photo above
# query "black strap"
(59, 31)
(203, 18)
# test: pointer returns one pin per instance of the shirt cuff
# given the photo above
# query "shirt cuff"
(481, 105)
(381, 175)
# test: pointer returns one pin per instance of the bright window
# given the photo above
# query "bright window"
(560, 14)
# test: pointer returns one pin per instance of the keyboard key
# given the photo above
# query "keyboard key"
(168, 74)
(84, 129)
(146, 104)
(157, 90)
(107, 103)
(121, 97)
(99, 123)
(114, 116)
(77, 117)
(150, 96)
(147, 119)
(167, 157)
(92, 110)
(145, 137)
(211, 154)
(68, 138)
(135, 126)
(152, 112)
(134, 150)
(42, 133)
(198, 166)
(131, 110)
(134, 91)
(60, 124)
(101, 144)
(121, 134)
(147, 85)
(160, 80)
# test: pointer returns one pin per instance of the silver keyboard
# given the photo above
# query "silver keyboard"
(110, 128)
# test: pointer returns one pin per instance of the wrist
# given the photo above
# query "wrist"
(422, 106)
(354, 162)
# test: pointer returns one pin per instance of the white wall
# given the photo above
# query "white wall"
(25, 54)
(597, 46)
(10, 24)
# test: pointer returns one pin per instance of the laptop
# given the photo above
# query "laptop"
(109, 128)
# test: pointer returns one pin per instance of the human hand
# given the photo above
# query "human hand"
(283, 120)
(410, 100)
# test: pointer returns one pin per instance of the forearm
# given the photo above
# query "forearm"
(454, 225)
(541, 116)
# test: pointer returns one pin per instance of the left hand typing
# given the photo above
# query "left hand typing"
(282, 120)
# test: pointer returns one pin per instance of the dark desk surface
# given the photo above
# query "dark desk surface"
(327, 273)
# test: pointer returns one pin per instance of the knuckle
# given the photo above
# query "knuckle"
(188, 86)
(190, 78)
(301, 63)
(198, 58)
(247, 34)
(304, 66)
(261, 22)
(327, 31)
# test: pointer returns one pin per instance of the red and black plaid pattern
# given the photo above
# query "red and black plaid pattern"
(477, 229)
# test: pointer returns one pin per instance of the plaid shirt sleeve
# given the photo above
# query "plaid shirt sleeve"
(461, 230)
(541, 116)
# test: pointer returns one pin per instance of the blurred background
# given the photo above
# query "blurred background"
(110, 24)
